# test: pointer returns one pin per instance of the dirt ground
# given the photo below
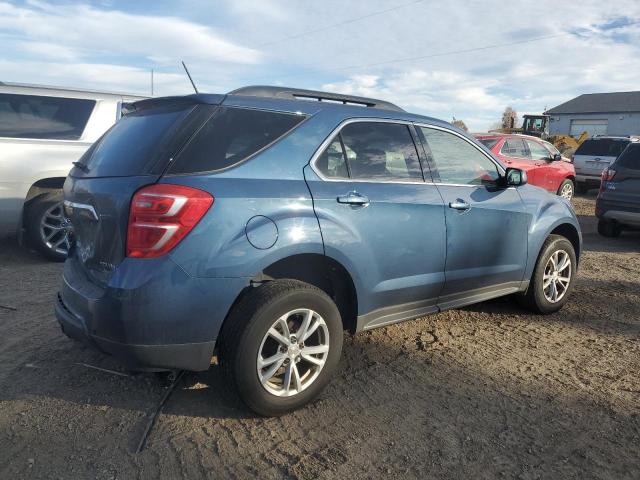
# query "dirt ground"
(488, 391)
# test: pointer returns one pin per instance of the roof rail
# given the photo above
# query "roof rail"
(302, 94)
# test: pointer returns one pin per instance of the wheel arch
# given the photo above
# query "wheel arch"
(323, 272)
(569, 232)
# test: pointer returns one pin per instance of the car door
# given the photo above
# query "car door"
(486, 224)
(380, 219)
(545, 169)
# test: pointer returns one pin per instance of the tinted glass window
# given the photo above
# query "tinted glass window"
(538, 152)
(630, 158)
(230, 136)
(605, 147)
(458, 161)
(32, 116)
(381, 151)
(488, 142)
(135, 143)
(514, 147)
(332, 163)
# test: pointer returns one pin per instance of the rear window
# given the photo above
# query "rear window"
(136, 143)
(605, 147)
(230, 136)
(488, 142)
(630, 158)
(49, 118)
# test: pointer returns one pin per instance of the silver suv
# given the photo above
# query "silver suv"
(594, 155)
(42, 131)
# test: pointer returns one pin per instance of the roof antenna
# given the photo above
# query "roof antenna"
(189, 75)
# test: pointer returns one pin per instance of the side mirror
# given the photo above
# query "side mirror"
(514, 177)
(556, 157)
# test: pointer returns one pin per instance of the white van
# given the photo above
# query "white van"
(43, 130)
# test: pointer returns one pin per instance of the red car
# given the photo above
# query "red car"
(542, 161)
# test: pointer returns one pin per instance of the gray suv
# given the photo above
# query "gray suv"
(594, 155)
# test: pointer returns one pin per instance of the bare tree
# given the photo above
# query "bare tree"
(509, 118)
(460, 124)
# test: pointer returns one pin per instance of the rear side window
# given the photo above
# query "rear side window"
(49, 118)
(374, 151)
(514, 147)
(230, 136)
(135, 143)
(488, 142)
(604, 147)
(630, 158)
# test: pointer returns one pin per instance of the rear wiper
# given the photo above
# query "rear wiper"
(81, 166)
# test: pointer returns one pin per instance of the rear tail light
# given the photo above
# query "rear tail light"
(161, 215)
(607, 176)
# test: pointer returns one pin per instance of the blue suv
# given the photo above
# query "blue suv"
(261, 224)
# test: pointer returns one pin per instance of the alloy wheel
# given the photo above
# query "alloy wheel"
(567, 191)
(54, 229)
(293, 352)
(557, 276)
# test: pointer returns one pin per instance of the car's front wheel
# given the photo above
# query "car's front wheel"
(553, 276)
(566, 189)
(47, 229)
(281, 345)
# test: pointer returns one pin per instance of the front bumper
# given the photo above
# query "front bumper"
(151, 316)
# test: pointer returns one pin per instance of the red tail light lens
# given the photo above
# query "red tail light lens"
(608, 174)
(161, 215)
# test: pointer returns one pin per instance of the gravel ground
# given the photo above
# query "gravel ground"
(483, 392)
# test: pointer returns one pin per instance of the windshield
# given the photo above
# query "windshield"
(603, 147)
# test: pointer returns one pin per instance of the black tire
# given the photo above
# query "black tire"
(581, 187)
(609, 229)
(35, 212)
(534, 298)
(565, 185)
(247, 325)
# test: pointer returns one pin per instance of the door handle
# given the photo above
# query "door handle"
(353, 198)
(460, 205)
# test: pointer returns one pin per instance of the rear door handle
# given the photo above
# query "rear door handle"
(353, 198)
(460, 205)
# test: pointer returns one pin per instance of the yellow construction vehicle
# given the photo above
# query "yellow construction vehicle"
(538, 126)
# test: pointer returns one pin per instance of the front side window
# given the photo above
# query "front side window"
(232, 135)
(538, 152)
(514, 147)
(457, 161)
(41, 117)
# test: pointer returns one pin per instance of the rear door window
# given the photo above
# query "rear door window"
(380, 151)
(514, 147)
(604, 147)
(230, 136)
(43, 117)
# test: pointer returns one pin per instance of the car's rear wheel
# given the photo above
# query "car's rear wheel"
(553, 276)
(47, 229)
(609, 229)
(281, 345)
(566, 189)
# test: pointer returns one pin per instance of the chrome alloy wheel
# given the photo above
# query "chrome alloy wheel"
(293, 352)
(54, 229)
(557, 276)
(567, 191)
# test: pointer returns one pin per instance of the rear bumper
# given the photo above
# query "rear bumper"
(590, 179)
(152, 316)
(625, 215)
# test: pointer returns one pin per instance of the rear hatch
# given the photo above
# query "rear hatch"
(596, 154)
(623, 191)
(133, 153)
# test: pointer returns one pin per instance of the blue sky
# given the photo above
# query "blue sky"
(467, 59)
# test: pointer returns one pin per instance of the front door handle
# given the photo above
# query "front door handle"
(460, 205)
(353, 198)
